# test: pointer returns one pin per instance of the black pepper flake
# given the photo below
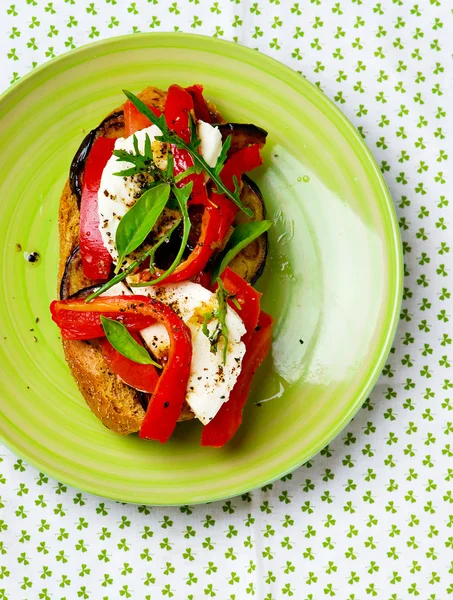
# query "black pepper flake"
(258, 404)
(37, 320)
(301, 341)
(258, 327)
(18, 247)
(166, 404)
(35, 339)
(32, 329)
(106, 193)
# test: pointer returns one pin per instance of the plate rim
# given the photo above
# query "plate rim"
(393, 235)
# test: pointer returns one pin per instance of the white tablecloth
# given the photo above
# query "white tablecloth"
(372, 515)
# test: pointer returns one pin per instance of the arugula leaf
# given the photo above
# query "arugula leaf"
(139, 221)
(241, 237)
(182, 196)
(124, 343)
(223, 155)
(221, 328)
(149, 253)
(186, 173)
(198, 160)
(141, 162)
(170, 166)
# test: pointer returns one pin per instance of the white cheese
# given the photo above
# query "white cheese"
(210, 381)
(211, 142)
(117, 194)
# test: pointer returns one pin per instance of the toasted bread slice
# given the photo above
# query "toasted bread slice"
(116, 404)
(119, 407)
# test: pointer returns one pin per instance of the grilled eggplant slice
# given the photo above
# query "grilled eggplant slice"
(242, 135)
(250, 262)
(73, 278)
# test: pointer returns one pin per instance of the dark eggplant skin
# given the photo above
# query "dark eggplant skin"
(73, 282)
(113, 121)
(242, 135)
(65, 280)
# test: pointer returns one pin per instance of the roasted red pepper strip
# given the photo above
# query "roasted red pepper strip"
(203, 278)
(199, 103)
(134, 120)
(140, 377)
(248, 298)
(178, 106)
(227, 421)
(165, 406)
(241, 162)
(95, 256)
(211, 224)
(76, 325)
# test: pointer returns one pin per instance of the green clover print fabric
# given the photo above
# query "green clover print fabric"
(372, 515)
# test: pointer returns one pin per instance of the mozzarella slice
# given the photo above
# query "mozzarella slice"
(211, 142)
(116, 193)
(210, 381)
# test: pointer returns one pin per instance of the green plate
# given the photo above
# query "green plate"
(332, 280)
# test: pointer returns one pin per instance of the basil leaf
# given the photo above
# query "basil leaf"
(139, 221)
(124, 343)
(149, 253)
(182, 196)
(241, 237)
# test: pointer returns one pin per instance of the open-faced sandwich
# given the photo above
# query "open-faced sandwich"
(162, 236)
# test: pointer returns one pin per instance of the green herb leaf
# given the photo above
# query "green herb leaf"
(141, 162)
(241, 237)
(223, 155)
(171, 138)
(121, 340)
(149, 253)
(139, 221)
(170, 166)
(221, 328)
(186, 173)
(141, 106)
(182, 196)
